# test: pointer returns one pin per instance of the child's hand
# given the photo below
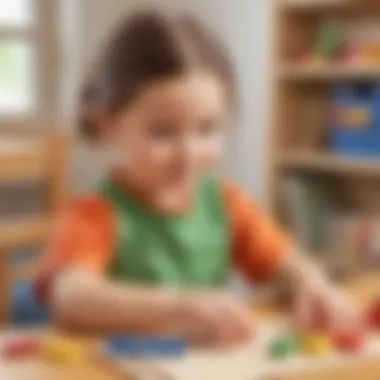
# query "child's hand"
(325, 306)
(215, 319)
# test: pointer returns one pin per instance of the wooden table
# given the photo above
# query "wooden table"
(363, 289)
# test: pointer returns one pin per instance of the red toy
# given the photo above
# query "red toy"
(20, 348)
(373, 316)
(349, 341)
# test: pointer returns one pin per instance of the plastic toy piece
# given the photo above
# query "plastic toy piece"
(134, 346)
(62, 350)
(21, 348)
(284, 348)
(317, 344)
(349, 341)
(373, 315)
(330, 42)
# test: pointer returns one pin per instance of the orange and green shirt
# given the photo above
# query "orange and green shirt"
(114, 234)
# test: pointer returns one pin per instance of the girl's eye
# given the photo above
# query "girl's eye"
(208, 127)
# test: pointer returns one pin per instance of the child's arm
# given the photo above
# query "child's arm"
(74, 273)
(73, 279)
(84, 301)
(317, 301)
(299, 269)
(264, 253)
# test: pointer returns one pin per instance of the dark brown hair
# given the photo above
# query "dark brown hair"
(147, 47)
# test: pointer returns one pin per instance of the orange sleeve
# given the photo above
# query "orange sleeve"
(259, 246)
(84, 236)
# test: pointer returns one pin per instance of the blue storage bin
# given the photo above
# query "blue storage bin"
(355, 126)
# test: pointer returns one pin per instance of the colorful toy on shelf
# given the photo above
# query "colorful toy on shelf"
(355, 122)
(330, 42)
(356, 44)
(365, 37)
(329, 45)
(370, 53)
(354, 118)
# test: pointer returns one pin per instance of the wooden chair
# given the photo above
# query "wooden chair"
(28, 158)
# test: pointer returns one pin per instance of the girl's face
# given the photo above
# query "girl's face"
(172, 133)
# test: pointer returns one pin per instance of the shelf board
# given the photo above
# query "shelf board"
(25, 231)
(329, 163)
(311, 4)
(22, 160)
(299, 72)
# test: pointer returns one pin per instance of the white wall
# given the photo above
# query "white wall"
(245, 26)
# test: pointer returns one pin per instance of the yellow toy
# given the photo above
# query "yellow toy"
(62, 350)
(317, 344)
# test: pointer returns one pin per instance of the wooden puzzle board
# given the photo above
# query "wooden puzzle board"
(246, 363)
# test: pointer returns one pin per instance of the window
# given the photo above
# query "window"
(28, 69)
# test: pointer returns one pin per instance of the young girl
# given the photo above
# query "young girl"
(150, 250)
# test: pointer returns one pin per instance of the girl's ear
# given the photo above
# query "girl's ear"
(103, 124)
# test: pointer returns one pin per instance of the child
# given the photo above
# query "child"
(151, 249)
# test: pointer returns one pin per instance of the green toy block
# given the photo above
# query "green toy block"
(330, 41)
(284, 347)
